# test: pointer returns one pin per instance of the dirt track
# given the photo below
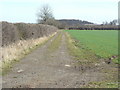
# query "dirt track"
(42, 69)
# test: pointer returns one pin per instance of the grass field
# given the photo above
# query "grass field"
(104, 43)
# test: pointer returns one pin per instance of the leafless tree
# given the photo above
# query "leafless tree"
(44, 14)
(114, 22)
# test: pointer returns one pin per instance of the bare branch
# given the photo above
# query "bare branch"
(44, 14)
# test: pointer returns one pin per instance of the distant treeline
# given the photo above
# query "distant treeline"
(96, 27)
(85, 25)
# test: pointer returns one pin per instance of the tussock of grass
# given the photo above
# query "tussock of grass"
(79, 52)
(55, 43)
(13, 53)
(102, 84)
(116, 61)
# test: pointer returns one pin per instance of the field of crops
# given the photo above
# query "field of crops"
(104, 43)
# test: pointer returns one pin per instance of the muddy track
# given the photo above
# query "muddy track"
(57, 69)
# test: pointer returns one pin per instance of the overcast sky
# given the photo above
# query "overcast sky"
(95, 11)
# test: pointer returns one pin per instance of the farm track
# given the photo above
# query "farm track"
(57, 69)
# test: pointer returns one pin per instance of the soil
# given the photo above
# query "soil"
(58, 69)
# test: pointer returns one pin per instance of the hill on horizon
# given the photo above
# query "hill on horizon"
(74, 22)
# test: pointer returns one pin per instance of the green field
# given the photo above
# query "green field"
(104, 43)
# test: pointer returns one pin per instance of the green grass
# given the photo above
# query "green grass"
(103, 84)
(87, 58)
(55, 43)
(103, 43)
(83, 55)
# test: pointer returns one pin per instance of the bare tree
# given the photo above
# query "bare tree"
(114, 22)
(45, 14)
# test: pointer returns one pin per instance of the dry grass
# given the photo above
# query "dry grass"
(19, 49)
(55, 43)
